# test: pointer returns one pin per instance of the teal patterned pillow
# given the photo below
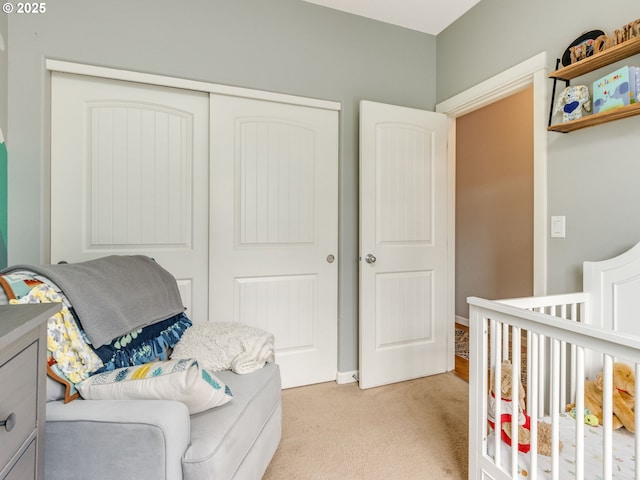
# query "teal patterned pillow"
(183, 380)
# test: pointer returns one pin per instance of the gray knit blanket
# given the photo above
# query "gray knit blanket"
(114, 295)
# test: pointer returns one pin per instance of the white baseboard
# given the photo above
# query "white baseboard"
(462, 320)
(347, 377)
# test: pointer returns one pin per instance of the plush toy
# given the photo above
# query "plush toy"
(524, 420)
(589, 418)
(571, 101)
(624, 385)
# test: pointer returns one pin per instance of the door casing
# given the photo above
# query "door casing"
(532, 71)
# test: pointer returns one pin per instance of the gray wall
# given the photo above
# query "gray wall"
(3, 126)
(4, 31)
(593, 174)
(285, 46)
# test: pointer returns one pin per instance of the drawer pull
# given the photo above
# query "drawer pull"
(9, 423)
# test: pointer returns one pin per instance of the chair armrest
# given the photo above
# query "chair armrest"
(107, 439)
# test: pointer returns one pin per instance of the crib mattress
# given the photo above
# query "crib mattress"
(623, 454)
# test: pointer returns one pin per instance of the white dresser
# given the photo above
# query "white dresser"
(23, 354)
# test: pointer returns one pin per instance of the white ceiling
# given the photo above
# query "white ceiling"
(428, 16)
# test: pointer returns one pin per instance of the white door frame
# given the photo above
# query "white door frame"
(530, 72)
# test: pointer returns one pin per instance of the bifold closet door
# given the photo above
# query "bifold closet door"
(129, 175)
(274, 228)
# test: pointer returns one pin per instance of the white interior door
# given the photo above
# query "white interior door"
(403, 244)
(129, 175)
(274, 228)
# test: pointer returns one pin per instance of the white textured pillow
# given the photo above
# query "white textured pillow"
(226, 346)
(181, 380)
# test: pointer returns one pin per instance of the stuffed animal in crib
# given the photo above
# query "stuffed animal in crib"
(624, 384)
(571, 101)
(524, 420)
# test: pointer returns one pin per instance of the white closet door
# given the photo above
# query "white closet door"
(129, 175)
(274, 228)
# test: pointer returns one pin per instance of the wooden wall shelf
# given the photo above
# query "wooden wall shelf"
(596, 119)
(589, 64)
(599, 60)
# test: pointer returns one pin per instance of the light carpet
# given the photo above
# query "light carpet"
(410, 430)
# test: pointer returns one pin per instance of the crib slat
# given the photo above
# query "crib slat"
(515, 399)
(505, 341)
(478, 382)
(496, 350)
(529, 386)
(572, 373)
(579, 396)
(555, 408)
(541, 378)
(637, 420)
(563, 373)
(607, 415)
(533, 393)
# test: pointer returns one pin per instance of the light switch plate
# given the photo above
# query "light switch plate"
(558, 227)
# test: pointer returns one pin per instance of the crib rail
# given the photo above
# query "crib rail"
(570, 306)
(561, 351)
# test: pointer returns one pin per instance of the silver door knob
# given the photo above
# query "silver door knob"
(370, 258)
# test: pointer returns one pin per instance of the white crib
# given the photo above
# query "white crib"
(555, 343)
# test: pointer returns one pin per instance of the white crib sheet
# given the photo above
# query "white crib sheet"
(623, 454)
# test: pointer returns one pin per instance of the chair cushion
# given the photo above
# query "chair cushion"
(221, 438)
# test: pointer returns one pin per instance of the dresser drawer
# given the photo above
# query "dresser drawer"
(25, 467)
(18, 378)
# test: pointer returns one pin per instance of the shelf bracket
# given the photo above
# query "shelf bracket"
(553, 92)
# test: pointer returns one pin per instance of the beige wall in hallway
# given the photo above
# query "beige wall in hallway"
(494, 201)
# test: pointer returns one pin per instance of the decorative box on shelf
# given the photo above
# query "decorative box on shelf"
(617, 89)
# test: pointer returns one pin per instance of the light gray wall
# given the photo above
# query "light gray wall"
(592, 173)
(4, 24)
(4, 31)
(285, 46)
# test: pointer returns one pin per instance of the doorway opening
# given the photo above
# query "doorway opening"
(528, 74)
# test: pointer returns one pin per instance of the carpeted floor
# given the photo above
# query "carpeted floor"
(411, 430)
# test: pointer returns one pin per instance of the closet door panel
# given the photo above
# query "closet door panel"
(129, 175)
(274, 228)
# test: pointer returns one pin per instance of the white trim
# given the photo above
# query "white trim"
(530, 72)
(1, 136)
(462, 320)
(347, 377)
(165, 81)
(495, 88)
(451, 236)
